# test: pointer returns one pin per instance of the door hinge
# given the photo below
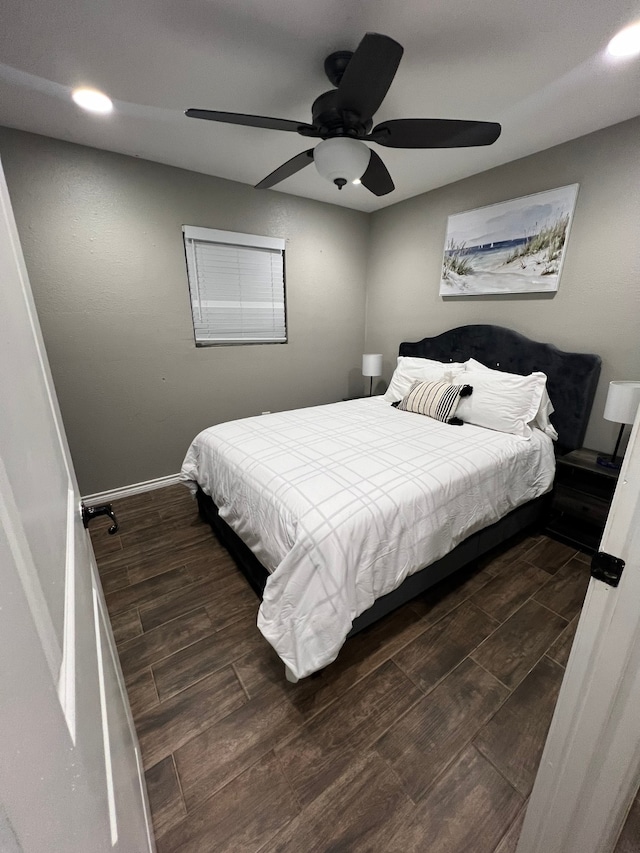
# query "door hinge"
(605, 567)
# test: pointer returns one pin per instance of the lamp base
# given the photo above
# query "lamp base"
(612, 461)
(609, 462)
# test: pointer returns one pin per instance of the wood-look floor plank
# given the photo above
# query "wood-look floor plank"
(445, 596)
(358, 813)
(513, 739)
(314, 757)
(171, 724)
(168, 550)
(114, 580)
(140, 529)
(224, 750)
(502, 558)
(443, 646)
(584, 558)
(561, 649)
(125, 624)
(550, 555)
(564, 592)
(360, 655)
(241, 817)
(508, 591)
(225, 601)
(180, 512)
(155, 564)
(509, 842)
(103, 544)
(426, 739)
(207, 655)
(166, 537)
(216, 565)
(147, 590)
(165, 640)
(231, 602)
(165, 798)
(142, 692)
(517, 645)
(110, 561)
(133, 502)
(468, 808)
(170, 494)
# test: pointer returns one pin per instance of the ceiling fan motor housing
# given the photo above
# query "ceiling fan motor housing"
(335, 65)
(332, 121)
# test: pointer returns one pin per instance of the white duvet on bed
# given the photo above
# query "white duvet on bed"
(341, 502)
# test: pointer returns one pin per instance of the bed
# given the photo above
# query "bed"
(338, 514)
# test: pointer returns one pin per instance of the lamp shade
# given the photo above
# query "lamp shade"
(622, 403)
(372, 364)
(341, 159)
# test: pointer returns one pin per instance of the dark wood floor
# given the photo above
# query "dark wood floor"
(425, 734)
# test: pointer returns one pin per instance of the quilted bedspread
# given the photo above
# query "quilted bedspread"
(342, 502)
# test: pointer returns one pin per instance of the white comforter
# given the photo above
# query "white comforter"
(341, 502)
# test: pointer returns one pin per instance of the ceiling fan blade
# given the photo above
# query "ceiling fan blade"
(287, 169)
(253, 121)
(377, 178)
(434, 133)
(369, 74)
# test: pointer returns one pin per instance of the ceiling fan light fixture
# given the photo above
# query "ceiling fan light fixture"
(341, 160)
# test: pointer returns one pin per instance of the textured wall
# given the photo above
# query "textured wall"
(597, 306)
(102, 239)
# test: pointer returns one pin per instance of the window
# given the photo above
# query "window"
(237, 287)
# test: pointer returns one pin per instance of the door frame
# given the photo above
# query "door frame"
(590, 767)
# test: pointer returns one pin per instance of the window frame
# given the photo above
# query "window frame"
(192, 233)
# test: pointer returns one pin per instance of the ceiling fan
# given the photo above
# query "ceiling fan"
(343, 119)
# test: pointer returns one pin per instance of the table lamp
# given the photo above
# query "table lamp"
(371, 366)
(623, 399)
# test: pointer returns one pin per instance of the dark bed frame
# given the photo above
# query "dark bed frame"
(572, 379)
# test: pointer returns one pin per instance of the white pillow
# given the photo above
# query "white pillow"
(502, 401)
(410, 370)
(541, 419)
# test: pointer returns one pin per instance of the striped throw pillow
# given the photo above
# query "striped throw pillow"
(438, 400)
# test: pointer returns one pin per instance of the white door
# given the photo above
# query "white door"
(590, 768)
(70, 772)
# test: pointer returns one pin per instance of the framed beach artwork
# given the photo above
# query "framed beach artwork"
(515, 246)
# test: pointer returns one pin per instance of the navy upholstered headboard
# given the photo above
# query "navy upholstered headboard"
(572, 377)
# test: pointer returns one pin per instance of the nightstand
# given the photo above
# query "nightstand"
(581, 499)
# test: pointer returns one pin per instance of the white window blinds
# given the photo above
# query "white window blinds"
(237, 287)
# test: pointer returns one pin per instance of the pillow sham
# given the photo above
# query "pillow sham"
(438, 400)
(504, 402)
(541, 418)
(410, 370)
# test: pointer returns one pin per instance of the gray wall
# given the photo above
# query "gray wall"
(101, 235)
(597, 306)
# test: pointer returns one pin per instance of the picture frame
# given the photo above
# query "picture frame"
(515, 246)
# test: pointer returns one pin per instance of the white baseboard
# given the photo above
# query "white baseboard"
(128, 491)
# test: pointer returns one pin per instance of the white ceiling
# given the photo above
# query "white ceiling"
(536, 66)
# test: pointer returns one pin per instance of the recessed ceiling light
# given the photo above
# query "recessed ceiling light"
(91, 99)
(357, 181)
(626, 43)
